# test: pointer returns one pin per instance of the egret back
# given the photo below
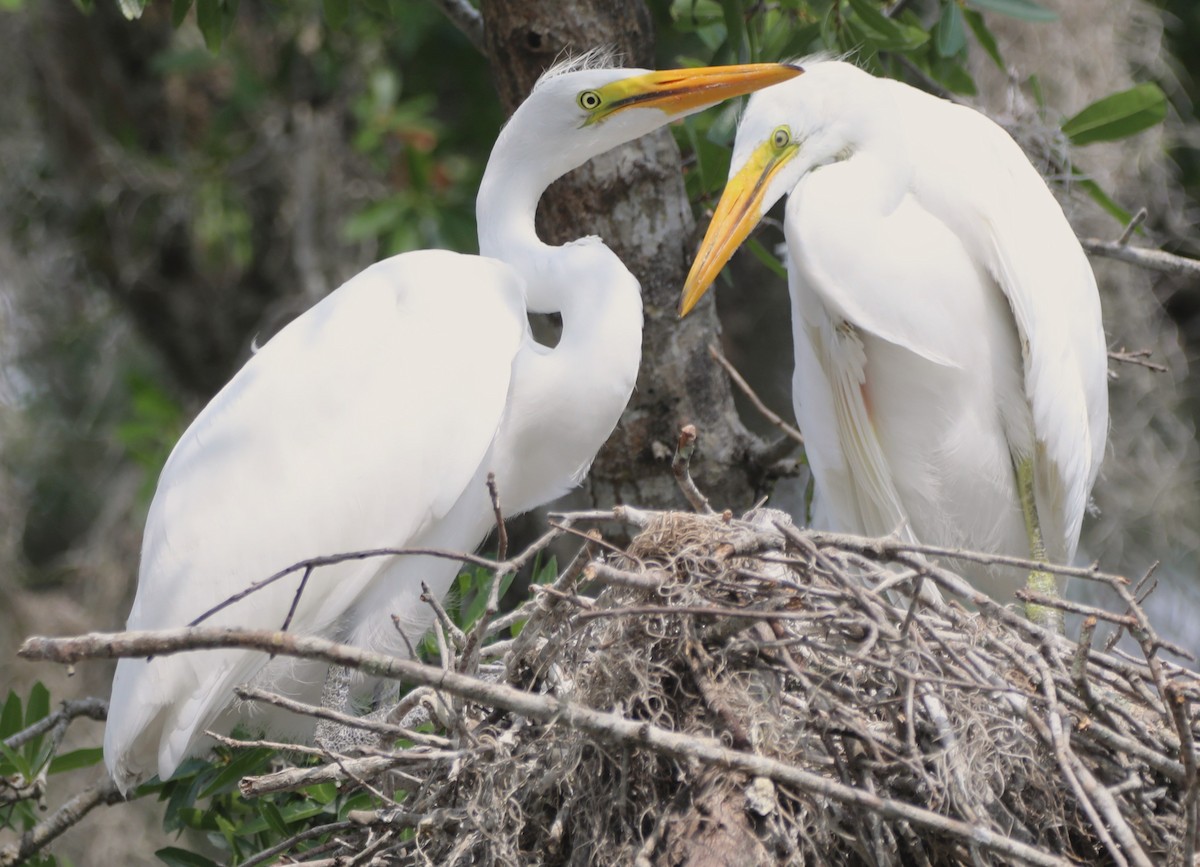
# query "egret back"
(356, 427)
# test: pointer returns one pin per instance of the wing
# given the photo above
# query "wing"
(977, 179)
(356, 427)
(855, 491)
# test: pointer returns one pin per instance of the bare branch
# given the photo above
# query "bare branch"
(766, 412)
(466, 18)
(93, 708)
(69, 814)
(680, 466)
(1138, 357)
(1154, 260)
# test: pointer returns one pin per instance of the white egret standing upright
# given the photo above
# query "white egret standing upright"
(374, 418)
(950, 374)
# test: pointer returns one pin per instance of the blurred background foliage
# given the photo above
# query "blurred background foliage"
(179, 179)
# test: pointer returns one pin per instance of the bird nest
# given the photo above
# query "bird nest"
(745, 692)
(756, 699)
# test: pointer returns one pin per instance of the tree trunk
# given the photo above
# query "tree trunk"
(634, 198)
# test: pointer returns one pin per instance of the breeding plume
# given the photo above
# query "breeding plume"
(374, 418)
(950, 364)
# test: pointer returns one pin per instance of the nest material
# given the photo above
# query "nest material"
(776, 643)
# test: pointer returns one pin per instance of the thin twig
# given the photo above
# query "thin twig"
(790, 431)
(287, 845)
(467, 19)
(501, 532)
(333, 559)
(606, 726)
(69, 814)
(1138, 357)
(681, 468)
(1155, 260)
(93, 708)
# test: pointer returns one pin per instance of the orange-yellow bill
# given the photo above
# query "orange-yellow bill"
(737, 213)
(681, 91)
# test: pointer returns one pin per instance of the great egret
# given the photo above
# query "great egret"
(950, 374)
(374, 418)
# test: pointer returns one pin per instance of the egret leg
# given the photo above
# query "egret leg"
(335, 696)
(1039, 580)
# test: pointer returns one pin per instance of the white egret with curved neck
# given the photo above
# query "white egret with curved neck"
(373, 420)
(950, 362)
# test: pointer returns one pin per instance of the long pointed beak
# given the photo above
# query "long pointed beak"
(737, 213)
(679, 92)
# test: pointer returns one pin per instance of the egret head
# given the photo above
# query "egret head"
(578, 110)
(823, 116)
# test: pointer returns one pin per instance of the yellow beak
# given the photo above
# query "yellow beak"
(737, 213)
(681, 91)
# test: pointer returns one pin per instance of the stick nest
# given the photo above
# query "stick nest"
(774, 642)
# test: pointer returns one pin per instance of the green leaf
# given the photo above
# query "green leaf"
(82, 758)
(1118, 115)
(1105, 201)
(215, 19)
(174, 857)
(18, 762)
(884, 33)
(242, 764)
(951, 35)
(873, 18)
(38, 706)
(179, 11)
(131, 9)
(10, 718)
(1026, 10)
(336, 12)
(768, 258)
(274, 818)
(322, 793)
(984, 37)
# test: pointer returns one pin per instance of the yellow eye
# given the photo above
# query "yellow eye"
(589, 100)
(781, 138)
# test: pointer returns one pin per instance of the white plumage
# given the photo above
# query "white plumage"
(946, 322)
(374, 418)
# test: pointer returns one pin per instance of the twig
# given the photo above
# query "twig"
(466, 18)
(889, 547)
(501, 532)
(456, 635)
(290, 779)
(790, 431)
(681, 468)
(610, 727)
(1155, 260)
(605, 574)
(69, 814)
(359, 722)
(333, 559)
(1178, 704)
(1138, 357)
(287, 621)
(279, 848)
(93, 708)
(1131, 227)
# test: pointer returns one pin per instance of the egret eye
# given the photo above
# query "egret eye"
(781, 138)
(589, 100)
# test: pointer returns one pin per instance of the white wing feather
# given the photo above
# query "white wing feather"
(1011, 223)
(363, 420)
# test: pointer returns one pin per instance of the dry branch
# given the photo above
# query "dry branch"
(760, 674)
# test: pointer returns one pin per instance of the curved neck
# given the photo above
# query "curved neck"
(505, 210)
